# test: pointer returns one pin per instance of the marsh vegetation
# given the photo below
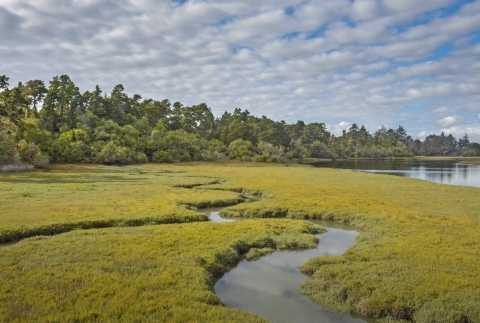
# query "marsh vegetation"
(416, 258)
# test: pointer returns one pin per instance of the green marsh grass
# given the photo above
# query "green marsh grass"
(161, 273)
(416, 259)
(72, 197)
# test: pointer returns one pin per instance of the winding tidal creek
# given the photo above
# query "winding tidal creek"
(268, 286)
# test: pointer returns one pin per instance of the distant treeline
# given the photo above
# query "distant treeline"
(60, 124)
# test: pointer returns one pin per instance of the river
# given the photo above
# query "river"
(443, 172)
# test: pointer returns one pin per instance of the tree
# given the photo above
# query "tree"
(72, 147)
(241, 149)
(118, 105)
(155, 111)
(296, 130)
(35, 90)
(401, 134)
(60, 106)
(464, 142)
(8, 131)
(3, 82)
(174, 146)
(315, 132)
(214, 150)
(13, 102)
(353, 131)
(96, 103)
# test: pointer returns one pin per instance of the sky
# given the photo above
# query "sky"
(371, 62)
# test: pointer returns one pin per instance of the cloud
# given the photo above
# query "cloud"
(378, 62)
(448, 121)
(423, 134)
(337, 129)
(441, 110)
(461, 131)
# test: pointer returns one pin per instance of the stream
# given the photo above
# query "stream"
(268, 286)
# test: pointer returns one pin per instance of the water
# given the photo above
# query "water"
(268, 286)
(443, 172)
(215, 217)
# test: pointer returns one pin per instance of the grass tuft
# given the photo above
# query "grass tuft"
(16, 168)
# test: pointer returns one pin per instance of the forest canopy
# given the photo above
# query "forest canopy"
(60, 124)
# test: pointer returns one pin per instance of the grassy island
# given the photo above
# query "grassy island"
(416, 258)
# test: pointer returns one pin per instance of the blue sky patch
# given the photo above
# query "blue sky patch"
(237, 47)
(289, 11)
(320, 32)
(448, 11)
(294, 34)
(475, 39)
(441, 52)
(222, 22)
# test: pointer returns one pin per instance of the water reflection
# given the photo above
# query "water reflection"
(214, 214)
(443, 172)
(268, 286)
(215, 217)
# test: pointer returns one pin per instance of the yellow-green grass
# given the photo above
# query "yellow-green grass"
(418, 257)
(162, 273)
(71, 196)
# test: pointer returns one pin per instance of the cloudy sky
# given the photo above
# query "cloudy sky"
(373, 62)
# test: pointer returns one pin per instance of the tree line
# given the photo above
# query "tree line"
(60, 124)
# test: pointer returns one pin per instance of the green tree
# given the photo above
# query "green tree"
(315, 132)
(8, 131)
(60, 105)
(241, 149)
(35, 91)
(13, 102)
(72, 147)
(214, 150)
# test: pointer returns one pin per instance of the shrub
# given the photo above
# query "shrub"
(112, 154)
(162, 157)
(261, 159)
(16, 168)
(240, 148)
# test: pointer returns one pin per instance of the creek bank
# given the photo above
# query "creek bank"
(268, 286)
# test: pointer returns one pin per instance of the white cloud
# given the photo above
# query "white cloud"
(423, 134)
(337, 129)
(448, 121)
(330, 60)
(364, 9)
(461, 131)
(441, 110)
